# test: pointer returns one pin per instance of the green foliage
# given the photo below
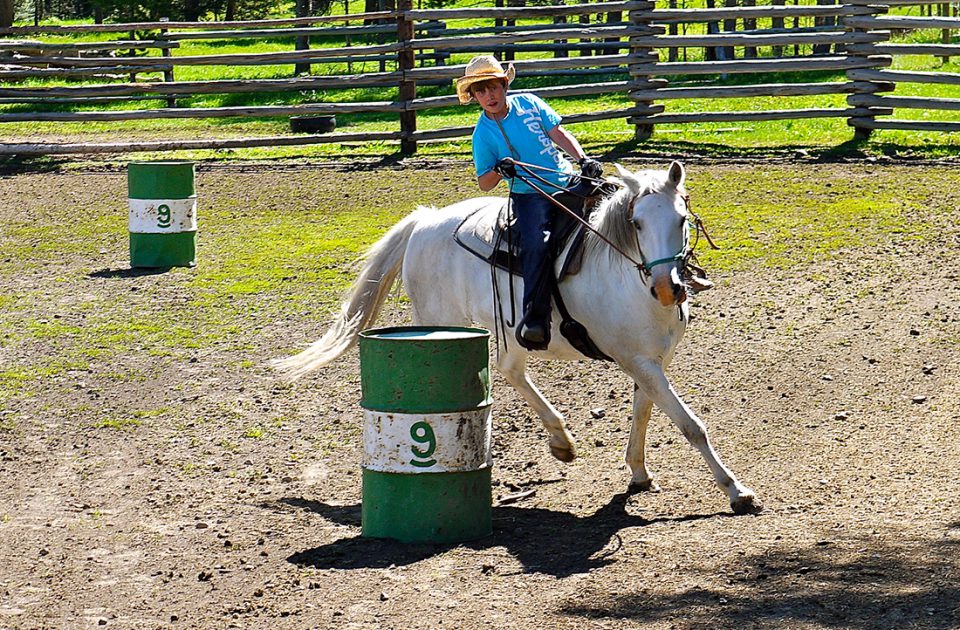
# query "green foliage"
(149, 10)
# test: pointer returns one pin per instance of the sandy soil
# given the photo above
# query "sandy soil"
(831, 390)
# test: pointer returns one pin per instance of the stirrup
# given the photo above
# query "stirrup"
(533, 342)
(533, 333)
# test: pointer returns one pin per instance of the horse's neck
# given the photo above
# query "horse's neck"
(611, 220)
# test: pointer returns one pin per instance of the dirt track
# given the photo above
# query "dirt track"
(832, 390)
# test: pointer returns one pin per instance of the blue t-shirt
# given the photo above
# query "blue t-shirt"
(526, 124)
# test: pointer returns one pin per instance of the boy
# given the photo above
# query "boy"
(522, 128)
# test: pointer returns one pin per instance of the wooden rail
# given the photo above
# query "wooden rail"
(852, 39)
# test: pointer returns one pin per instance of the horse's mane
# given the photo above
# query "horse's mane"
(611, 218)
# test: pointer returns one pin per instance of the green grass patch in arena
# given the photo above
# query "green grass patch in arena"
(781, 218)
(270, 252)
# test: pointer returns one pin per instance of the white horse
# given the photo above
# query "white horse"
(636, 316)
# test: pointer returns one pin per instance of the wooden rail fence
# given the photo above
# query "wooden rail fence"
(622, 45)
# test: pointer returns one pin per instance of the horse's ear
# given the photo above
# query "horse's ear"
(628, 178)
(676, 174)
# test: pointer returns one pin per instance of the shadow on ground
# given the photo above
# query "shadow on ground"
(543, 541)
(858, 583)
(128, 272)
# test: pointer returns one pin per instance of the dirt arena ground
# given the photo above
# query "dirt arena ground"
(194, 489)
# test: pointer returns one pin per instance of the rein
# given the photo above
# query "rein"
(643, 267)
(573, 214)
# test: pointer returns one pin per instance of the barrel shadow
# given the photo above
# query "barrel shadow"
(128, 272)
(543, 541)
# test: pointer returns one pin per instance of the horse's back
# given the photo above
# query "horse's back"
(459, 211)
(442, 279)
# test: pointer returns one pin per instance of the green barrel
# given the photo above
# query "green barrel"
(163, 214)
(426, 434)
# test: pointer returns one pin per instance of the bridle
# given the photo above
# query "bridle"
(686, 251)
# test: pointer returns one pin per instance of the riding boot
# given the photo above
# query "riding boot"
(533, 331)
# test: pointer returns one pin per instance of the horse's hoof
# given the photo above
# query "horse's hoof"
(564, 454)
(746, 504)
(644, 486)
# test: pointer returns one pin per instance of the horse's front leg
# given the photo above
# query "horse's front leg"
(641, 480)
(513, 368)
(651, 379)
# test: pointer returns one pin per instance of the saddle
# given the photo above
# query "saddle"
(493, 238)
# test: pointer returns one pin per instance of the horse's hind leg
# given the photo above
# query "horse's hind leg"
(641, 480)
(650, 377)
(513, 368)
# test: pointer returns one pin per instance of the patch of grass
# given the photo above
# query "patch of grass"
(255, 432)
(291, 236)
(775, 216)
(117, 423)
(21, 380)
(130, 421)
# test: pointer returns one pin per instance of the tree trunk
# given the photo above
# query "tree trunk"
(6, 13)
(231, 11)
(712, 28)
(824, 49)
(302, 42)
(191, 10)
(729, 26)
(778, 23)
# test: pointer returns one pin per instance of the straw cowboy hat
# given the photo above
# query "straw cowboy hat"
(482, 68)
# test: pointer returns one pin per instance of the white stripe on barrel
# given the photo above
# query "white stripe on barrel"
(418, 443)
(163, 216)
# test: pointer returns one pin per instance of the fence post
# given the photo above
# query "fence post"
(640, 58)
(585, 49)
(613, 17)
(558, 53)
(408, 88)
(750, 24)
(862, 123)
(133, 53)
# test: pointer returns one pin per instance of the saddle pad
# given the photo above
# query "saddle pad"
(486, 228)
(478, 230)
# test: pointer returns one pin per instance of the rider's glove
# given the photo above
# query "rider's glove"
(506, 168)
(590, 168)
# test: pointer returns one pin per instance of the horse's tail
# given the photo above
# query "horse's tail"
(379, 268)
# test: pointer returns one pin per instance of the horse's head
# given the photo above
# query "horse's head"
(658, 212)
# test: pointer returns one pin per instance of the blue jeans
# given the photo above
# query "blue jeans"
(534, 214)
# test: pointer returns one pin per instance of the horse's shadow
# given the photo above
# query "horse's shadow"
(543, 541)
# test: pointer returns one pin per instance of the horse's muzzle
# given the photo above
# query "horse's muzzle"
(668, 290)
